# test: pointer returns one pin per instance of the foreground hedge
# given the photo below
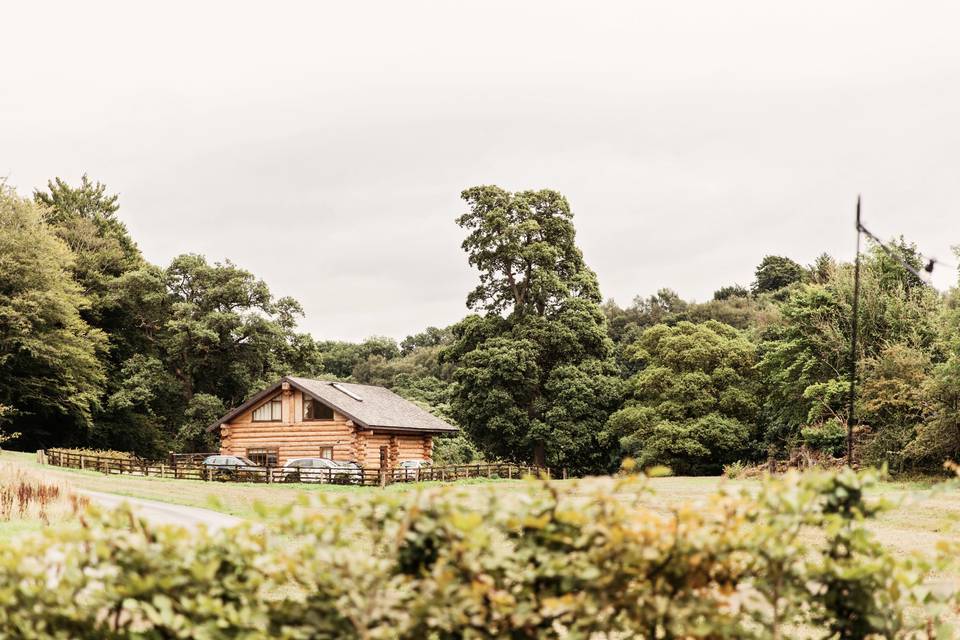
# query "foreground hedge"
(571, 560)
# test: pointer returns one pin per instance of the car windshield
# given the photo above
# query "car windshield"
(298, 462)
(246, 461)
(349, 465)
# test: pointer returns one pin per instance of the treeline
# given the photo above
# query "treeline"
(100, 348)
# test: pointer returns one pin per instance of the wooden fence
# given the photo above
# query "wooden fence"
(192, 469)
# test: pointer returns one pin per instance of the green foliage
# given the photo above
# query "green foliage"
(829, 437)
(804, 357)
(450, 450)
(894, 401)
(734, 469)
(436, 564)
(693, 404)
(775, 273)
(523, 246)
(731, 291)
(534, 376)
(51, 376)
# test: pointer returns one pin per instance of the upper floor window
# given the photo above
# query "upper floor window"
(316, 410)
(269, 412)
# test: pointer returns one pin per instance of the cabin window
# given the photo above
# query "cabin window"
(269, 412)
(326, 452)
(264, 457)
(315, 410)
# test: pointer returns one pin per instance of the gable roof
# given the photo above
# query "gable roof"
(368, 406)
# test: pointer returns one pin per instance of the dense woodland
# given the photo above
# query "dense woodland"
(100, 348)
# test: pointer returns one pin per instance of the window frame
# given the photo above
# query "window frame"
(267, 453)
(312, 403)
(274, 400)
(327, 448)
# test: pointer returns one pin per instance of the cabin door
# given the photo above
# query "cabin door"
(383, 457)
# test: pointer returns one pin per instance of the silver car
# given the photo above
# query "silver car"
(311, 470)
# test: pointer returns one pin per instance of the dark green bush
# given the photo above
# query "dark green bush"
(829, 437)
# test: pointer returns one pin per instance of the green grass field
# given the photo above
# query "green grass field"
(924, 513)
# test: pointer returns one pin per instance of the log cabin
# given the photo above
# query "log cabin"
(300, 418)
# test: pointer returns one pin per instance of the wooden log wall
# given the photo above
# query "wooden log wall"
(294, 437)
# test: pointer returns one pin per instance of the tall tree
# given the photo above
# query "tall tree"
(50, 375)
(535, 377)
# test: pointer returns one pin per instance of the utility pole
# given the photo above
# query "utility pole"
(853, 343)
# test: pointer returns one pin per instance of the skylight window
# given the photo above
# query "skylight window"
(339, 387)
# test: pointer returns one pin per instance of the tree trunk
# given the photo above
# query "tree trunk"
(540, 454)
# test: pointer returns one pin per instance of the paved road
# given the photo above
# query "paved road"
(165, 513)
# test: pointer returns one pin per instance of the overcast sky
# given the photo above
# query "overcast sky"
(323, 146)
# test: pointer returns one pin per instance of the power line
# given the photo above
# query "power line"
(929, 262)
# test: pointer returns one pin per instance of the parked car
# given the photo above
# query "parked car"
(414, 464)
(233, 468)
(311, 470)
(350, 473)
(409, 470)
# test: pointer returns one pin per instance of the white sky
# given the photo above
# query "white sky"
(323, 146)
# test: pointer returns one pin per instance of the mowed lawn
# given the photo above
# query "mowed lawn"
(924, 513)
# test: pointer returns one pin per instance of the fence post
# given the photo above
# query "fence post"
(383, 478)
(564, 473)
(81, 462)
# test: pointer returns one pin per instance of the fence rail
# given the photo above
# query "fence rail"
(190, 469)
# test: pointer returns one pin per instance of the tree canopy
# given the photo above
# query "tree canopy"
(99, 347)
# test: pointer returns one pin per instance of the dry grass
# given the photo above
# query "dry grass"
(30, 500)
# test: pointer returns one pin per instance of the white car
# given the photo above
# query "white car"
(414, 464)
(311, 470)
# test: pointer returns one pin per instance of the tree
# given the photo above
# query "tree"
(805, 354)
(694, 404)
(775, 273)
(534, 373)
(731, 291)
(894, 401)
(50, 373)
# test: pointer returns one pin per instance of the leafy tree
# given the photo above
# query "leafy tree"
(51, 376)
(731, 291)
(937, 437)
(893, 402)
(694, 405)
(429, 337)
(458, 449)
(225, 333)
(775, 273)
(534, 375)
(804, 356)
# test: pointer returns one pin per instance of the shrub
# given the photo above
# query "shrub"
(829, 437)
(102, 453)
(571, 560)
(734, 470)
